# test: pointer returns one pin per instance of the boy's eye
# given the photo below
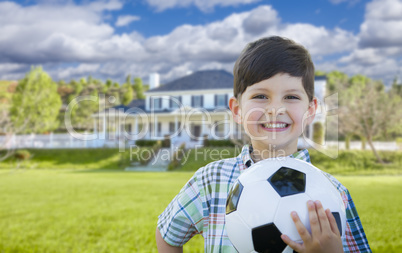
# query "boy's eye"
(260, 97)
(292, 97)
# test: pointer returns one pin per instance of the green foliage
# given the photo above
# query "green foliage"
(35, 103)
(97, 158)
(145, 143)
(218, 143)
(138, 88)
(353, 162)
(127, 94)
(175, 163)
(166, 142)
(318, 133)
(80, 110)
(358, 162)
(22, 154)
(336, 82)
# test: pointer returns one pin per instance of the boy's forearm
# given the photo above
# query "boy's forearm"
(163, 246)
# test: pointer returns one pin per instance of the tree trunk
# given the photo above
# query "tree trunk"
(374, 151)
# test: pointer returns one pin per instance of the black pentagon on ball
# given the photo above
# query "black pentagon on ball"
(338, 221)
(233, 197)
(287, 181)
(267, 239)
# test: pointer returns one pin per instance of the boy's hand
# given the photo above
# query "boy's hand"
(324, 235)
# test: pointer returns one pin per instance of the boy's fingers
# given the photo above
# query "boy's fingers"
(301, 229)
(322, 216)
(314, 221)
(294, 245)
(332, 222)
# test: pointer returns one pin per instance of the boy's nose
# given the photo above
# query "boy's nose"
(276, 110)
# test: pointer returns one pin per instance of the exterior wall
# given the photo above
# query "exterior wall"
(208, 98)
(199, 120)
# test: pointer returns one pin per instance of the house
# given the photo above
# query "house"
(185, 110)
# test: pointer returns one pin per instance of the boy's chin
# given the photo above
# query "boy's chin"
(274, 145)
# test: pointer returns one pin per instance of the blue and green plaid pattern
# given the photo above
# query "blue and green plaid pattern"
(199, 208)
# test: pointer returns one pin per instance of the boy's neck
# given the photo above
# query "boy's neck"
(258, 155)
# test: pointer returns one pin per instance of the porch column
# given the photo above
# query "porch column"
(156, 127)
(176, 124)
(95, 126)
(104, 126)
(226, 125)
(202, 125)
(136, 126)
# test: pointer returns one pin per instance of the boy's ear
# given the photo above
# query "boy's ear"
(312, 110)
(234, 105)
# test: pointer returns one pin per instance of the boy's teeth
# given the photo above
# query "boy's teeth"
(275, 125)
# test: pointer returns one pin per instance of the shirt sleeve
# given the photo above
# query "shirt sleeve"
(182, 218)
(355, 238)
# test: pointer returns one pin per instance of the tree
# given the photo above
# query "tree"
(84, 107)
(35, 103)
(366, 108)
(336, 81)
(126, 94)
(138, 88)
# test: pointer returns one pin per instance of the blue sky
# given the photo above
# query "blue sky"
(114, 38)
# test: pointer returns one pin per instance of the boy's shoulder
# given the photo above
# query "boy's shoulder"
(335, 182)
(224, 169)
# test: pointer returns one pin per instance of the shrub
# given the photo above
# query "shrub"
(399, 142)
(155, 149)
(22, 154)
(318, 133)
(145, 143)
(166, 142)
(218, 143)
(176, 158)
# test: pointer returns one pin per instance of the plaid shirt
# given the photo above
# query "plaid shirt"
(199, 208)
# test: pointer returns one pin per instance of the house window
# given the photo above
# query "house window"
(156, 103)
(175, 102)
(172, 128)
(128, 128)
(196, 101)
(221, 100)
(159, 129)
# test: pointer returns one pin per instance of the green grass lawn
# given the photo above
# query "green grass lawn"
(115, 211)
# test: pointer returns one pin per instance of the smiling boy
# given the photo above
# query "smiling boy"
(273, 101)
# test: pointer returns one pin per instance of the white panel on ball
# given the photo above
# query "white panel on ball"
(319, 187)
(238, 231)
(258, 209)
(283, 220)
(251, 176)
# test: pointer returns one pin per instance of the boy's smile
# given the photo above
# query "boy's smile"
(274, 113)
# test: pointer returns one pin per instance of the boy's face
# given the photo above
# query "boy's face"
(274, 113)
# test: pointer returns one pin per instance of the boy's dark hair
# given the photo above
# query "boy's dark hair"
(266, 57)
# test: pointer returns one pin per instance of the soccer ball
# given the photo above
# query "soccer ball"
(260, 201)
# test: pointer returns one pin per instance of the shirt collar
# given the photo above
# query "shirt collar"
(245, 156)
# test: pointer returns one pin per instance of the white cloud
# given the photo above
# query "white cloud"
(80, 42)
(78, 71)
(126, 20)
(379, 49)
(383, 24)
(78, 34)
(203, 5)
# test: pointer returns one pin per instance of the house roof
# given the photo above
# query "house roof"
(134, 104)
(200, 80)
